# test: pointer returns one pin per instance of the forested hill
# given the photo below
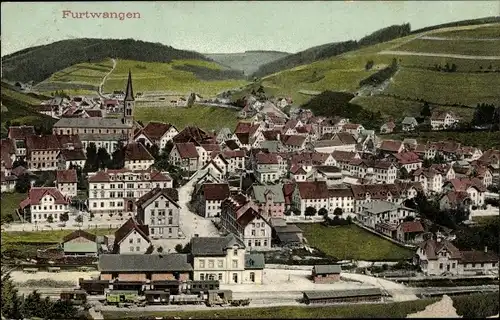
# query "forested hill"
(332, 49)
(40, 62)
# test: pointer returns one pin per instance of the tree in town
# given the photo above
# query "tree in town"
(23, 183)
(453, 67)
(118, 157)
(31, 305)
(11, 302)
(63, 217)
(91, 162)
(50, 218)
(20, 162)
(103, 159)
(426, 110)
(159, 249)
(337, 212)
(79, 218)
(178, 248)
(296, 211)
(310, 211)
(150, 249)
(403, 174)
(323, 212)
(62, 310)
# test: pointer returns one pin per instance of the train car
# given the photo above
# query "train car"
(219, 297)
(93, 286)
(120, 297)
(187, 299)
(75, 297)
(129, 286)
(342, 296)
(197, 286)
(157, 297)
(173, 286)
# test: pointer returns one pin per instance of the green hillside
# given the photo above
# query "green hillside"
(418, 78)
(248, 61)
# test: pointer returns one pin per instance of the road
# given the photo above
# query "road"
(459, 39)
(440, 55)
(99, 92)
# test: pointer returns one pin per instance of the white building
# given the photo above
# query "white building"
(160, 211)
(44, 202)
(66, 182)
(131, 238)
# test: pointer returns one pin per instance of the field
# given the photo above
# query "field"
(90, 73)
(153, 76)
(10, 202)
(458, 46)
(208, 118)
(487, 32)
(446, 88)
(483, 139)
(352, 242)
(32, 237)
(392, 310)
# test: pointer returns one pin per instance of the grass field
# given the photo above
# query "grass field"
(90, 73)
(486, 220)
(447, 88)
(20, 96)
(389, 107)
(391, 310)
(482, 139)
(10, 202)
(154, 76)
(207, 118)
(489, 32)
(459, 46)
(352, 242)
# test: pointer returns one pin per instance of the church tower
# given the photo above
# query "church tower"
(128, 102)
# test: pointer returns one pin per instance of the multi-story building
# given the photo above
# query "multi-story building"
(131, 238)
(269, 199)
(310, 194)
(241, 216)
(384, 214)
(137, 157)
(18, 135)
(267, 167)
(157, 133)
(431, 179)
(116, 191)
(342, 198)
(443, 120)
(42, 152)
(208, 198)
(225, 259)
(44, 202)
(474, 188)
(160, 211)
(185, 156)
(66, 182)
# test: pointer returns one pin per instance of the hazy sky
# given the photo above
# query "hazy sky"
(220, 27)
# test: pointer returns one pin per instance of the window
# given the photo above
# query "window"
(131, 249)
(156, 204)
(220, 276)
(453, 265)
(138, 240)
(235, 263)
(137, 249)
(131, 240)
(202, 276)
(169, 230)
(252, 276)
(253, 232)
(249, 243)
(440, 266)
(211, 276)
(220, 263)
(202, 264)
(235, 252)
(265, 243)
(170, 220)
(211, 264)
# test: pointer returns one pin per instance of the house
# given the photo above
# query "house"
(379, 212)
(41, 152)
(82, 243)
(446, 170)
(395, 193)
(131, 238)
(159, 209)
(491, 158)
(343, 199)
(294, 142)
(326, 273)
(455, 200)
(208, 198)
(7, 155)
(330, 174)
(144, 267)
(269, 199)
(410, 232)
(267, 167)
(409, 124)
(7, 182)
(391, 147)
(204, 153)
(18, 134)
(241, 216)
(311, 194)
(297, 173)
(388, 127)
(185, 156)
(443, 120)
(382, 171)
(342, 141)
(474, 188)
(45, 202)
(307, 160)
(408, 160)
(71, 158)
(353, 128)
(235, 159)
(343, 158)
(157, 133)
(287, 235)
(194, 135)
(440, 257)
(137, 157)
(431, 179)
(66, 182)
(223, 135)
(116, 191)
(225, 259)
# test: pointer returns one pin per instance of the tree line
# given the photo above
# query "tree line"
(380, 76)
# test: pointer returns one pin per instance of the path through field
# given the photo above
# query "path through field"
(104, 79)
(441, 55)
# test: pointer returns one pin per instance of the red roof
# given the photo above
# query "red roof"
(313, 190)
(216, 191)
(246, 217)
(47, 142)
(187, 150)
(412, 226)
(127, 228)
(66, 176)
(243, 127)
(36, 194)
(344, 156)
(267, 158)
(407, 157)
(135, 151)
(21, 132)
(465, 183)
(155, 130)
(211, 147)
(295, 169)
(391, 145)
(295, 140)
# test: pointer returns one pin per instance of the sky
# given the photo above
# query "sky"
(225, 27)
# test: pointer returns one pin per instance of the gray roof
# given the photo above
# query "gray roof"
(277, 222)
(213, 246)
(276, 189)
(287, 238)
(290, 228)
(100, 136)
(144, 262)
(254, 261)
(380, 206)
(108, 123)
(409, 120)
(342, 293)
(272, 146)
(327, 269)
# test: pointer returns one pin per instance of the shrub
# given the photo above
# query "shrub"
(480, 305)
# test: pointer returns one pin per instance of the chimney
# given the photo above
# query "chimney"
(485, 249)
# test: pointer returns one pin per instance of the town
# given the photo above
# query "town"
(351, 179)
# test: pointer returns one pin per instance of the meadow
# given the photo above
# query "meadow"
(454, 46)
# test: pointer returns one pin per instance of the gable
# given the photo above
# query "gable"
(132, 234)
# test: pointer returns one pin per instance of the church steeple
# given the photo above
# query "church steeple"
(129, 93)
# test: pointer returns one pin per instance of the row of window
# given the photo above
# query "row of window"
(119, 204)
(49, 207)
(257, 243)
